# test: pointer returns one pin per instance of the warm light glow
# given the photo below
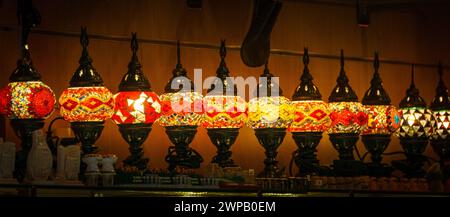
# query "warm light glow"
(441, 127)
(181, 109)
(415, 122)
(382, 119)
(347, 117)
(86, 104)
(224, 112)
(270, 112)
(27, 100)
(135, 107)
(310, 116)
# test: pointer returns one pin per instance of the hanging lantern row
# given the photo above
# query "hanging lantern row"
(87, 103)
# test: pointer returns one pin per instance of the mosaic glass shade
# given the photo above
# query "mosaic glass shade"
(347, 117)
(270, 112)
(86, 104)
(441, 128)
(27, 100)
(136, 107)
(181, 109)
(382, 119)
(224, 112)
(441, 109)
(310, 116)
(415, 122)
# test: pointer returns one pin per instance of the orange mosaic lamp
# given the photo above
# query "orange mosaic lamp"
(136, 108)
(383, 120)
(86, 104)
(312, 118)
(224, 113)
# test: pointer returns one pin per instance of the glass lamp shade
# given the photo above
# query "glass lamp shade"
(270, 112)
(415, 122)
(441, 127)
(310, 116)
(347, 117)
(224, 112)
(181, 109)
(86, 104)
(136, 107)
(27, 100)
(382, 119)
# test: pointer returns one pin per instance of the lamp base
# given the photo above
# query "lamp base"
(442, 148)
(223, 139)
(415, 160)
(181, 155)
(87, 133)
(376, 145)
(23, 128)
(135, 135)
(305, 156)
(347, 166)
(270, 139)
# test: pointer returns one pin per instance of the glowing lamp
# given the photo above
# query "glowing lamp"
(181, 114)
(312, 117)
(348, 119)
(86, 104)
(224, 113)
(270, 114)
(440, 139)
(383, 120)
(415, 129)
(136, 109)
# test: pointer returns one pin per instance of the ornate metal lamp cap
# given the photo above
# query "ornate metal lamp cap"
(25, 70)
(85, 75)
(306, 90)
(376, 94)
(265, 88)
(412, 98)
(343, 92)
(222, 72)
(442, 100)
(134, 79)
(176, 84)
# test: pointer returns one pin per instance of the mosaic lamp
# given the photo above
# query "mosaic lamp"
(86, 104)
(383, 120)
(312, 118)
(270, 114)
(348, 119)
(416, 126)
(440, 139)
(181, 114)
(224, 113)
(136, 108)
(25, 100)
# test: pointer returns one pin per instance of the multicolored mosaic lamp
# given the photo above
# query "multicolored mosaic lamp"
(136, 108)
(225, 113)
(348, 119)
(86, 104)
(26, 100)
(383, 120)
(310, 121)
(270, 114)
(182, 113)
(440, 139)
(416, 126)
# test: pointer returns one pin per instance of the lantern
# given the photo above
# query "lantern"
(86, 104)
(383, 120)
(415, 129)
(440, 139)
(310, 121)
(181, 113)
(269, 114)
(348, 119)
(136, 109)
(225, 113)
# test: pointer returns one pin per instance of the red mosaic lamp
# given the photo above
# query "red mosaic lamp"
(86, 104)
(383, 120)
(225, 113)
(312, 118)
(136, 109)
